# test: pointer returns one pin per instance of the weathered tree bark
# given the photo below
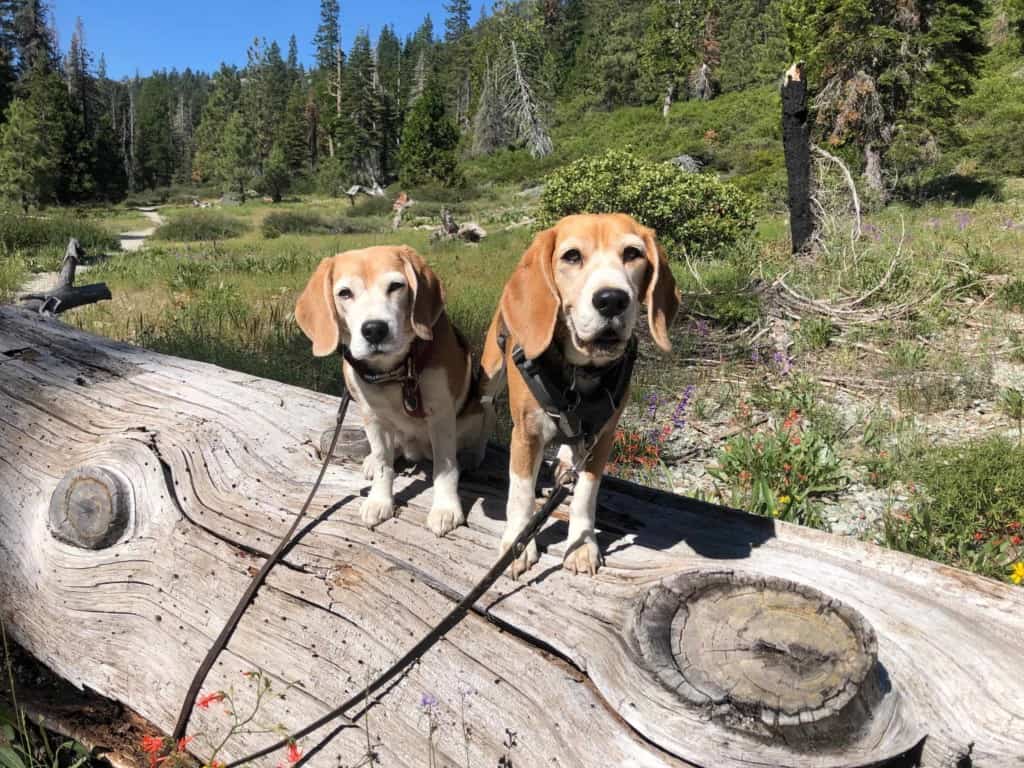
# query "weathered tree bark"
(65, 295)
(710, 638)
(402, 202)
(873, 171)
(796, 143)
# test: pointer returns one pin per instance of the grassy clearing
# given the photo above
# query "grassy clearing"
(185, 225)
(38, 242)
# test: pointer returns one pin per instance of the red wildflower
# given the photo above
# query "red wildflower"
(152, 744)
(794, 440)
(787, 467)
(792, 419)
(1014, 526)
(1016, 540)
(183, 742)
(204, 702)
(294, 753)
(978, 535)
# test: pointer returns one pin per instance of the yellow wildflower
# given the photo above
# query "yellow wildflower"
(775, 512)
(784, 500)
(1017, 576)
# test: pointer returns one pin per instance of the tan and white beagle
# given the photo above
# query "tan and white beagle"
(405, 364)
(576, 296)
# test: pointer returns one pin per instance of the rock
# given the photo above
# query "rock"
(687, 163)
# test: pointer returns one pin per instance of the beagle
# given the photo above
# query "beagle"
(565, 326)
(406, 364)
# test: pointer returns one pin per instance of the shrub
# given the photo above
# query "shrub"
(24, 233)
(966, 508)
(192, 226)
(308, 223)
(778, 472)
(691, 212)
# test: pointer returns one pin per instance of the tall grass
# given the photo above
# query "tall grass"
(194, 226)
(38, 242)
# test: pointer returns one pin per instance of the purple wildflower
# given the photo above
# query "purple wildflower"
(963, 219)
(428, 701)
(782, 360)
(679, 414)
(701, 327)
(1009, 224)
(755, 356)
(652, 404)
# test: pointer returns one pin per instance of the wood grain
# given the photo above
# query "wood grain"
(218, 462)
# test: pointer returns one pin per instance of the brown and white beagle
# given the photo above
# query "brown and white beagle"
(405, 364)
(576, 297)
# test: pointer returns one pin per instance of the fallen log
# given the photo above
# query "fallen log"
(65, 295)
(138, 492)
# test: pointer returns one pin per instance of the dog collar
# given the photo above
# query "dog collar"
(407, 373)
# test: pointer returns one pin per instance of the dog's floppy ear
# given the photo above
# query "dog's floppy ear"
(427, 293)
(662, 298)
(315, 311)
(529, 303)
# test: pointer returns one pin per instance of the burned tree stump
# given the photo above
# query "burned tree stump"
(796, 143)
(65, 295)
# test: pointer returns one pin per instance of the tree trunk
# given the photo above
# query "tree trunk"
(796, 143)
(666, 104)
(873, 171)
(140, 492)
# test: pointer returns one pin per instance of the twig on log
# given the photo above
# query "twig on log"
(65, 295)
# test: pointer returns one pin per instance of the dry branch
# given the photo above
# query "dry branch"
(65, 295)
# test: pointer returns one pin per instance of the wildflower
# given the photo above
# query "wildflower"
(963, 220)
(755, 355)
(784, 500)
(183, 742)
(1014, 526)
(1016, 540)
(775, 512)
(979, 536)
(294, 753)
(428, 701)
(792, 419)
(1017, 575)
(794, 440)
(652, 404)
(152, 745)
(701, 327)
(204, 702)
(250, 674)
(802, 477)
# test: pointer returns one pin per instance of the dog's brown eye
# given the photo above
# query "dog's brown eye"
(395, 287)
(631, 252)
(345, 293)
(572, 256)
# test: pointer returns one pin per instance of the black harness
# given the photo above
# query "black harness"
(580, 399)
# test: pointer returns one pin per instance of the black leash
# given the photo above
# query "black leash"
(455, 615)
(229, 628)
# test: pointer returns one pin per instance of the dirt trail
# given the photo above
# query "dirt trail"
(133, 241)
(41, 282)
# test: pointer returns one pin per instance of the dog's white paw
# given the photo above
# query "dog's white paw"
(585, 557)
(444, 518)
(376, 511)
(370, 465)
(525, 561)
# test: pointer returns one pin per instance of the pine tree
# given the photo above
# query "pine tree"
(224, 101)
(277, 176)
(456, 25)
(667, 51)
(365, 112)
(459, 55)
(330, 70)
(29, 162)
(35, 38)
(293, 56)
(293, 134)
(235, 163)
(429, 141)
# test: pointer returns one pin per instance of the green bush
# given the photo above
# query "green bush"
(695, 213)
(966, 508)
(25, 233)
(193, 226)
(308, 223)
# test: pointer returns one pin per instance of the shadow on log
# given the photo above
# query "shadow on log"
(711, 637)
(65, 295)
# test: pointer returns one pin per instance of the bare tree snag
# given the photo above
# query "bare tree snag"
(710, 638)
(796, 142)
(402, 202)
(65, 295)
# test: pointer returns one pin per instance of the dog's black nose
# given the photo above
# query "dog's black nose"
(375, 331)
(611, 302)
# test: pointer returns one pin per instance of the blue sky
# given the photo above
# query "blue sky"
(145, 35)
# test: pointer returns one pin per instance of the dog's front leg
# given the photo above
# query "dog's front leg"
(526, 453)
(582, 554)
(380, 504)
(446, 512)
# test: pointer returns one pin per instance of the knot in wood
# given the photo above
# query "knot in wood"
(761, 654)
(90, 508)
